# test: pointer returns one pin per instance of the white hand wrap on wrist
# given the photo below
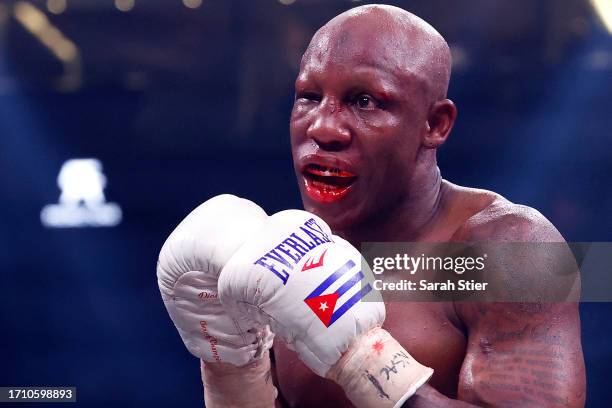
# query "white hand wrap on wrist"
(228, 386)
(378, 372)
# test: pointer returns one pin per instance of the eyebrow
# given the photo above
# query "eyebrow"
(389, 82)
(407, 76)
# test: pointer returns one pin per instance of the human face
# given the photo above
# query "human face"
(356, 127)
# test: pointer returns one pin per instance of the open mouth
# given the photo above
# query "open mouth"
(327, 184)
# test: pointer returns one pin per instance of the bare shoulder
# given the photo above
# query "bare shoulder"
(528, 257)
(504, 221)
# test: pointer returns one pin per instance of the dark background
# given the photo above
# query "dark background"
(180, 104)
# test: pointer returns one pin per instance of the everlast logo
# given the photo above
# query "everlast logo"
(282, 258)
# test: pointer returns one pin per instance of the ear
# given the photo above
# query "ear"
(440, 121)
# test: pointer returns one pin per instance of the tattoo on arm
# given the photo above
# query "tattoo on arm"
(532, 361)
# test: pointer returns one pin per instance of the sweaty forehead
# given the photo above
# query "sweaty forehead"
(352, 43)
(386, 38)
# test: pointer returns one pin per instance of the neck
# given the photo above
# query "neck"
(411, 218)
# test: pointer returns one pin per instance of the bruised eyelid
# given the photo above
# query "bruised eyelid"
(382, 94)
(305, 80)
(302, 88)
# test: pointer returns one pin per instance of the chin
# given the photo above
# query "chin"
(339, 217)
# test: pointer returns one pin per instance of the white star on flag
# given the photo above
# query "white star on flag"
(323, 306)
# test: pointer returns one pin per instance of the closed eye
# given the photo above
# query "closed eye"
(309, 96)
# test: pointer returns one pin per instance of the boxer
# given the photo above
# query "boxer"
(370, 111)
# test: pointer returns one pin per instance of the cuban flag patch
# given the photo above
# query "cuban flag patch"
(327, 300)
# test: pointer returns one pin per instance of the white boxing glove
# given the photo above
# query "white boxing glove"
(188, 268)
(311, 290)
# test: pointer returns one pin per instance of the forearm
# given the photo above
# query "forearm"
(227, 386)
(427, 397)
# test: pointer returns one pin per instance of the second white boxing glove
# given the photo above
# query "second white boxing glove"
(187, 271)
(235, 364)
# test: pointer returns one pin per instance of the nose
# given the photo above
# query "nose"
(328, 127)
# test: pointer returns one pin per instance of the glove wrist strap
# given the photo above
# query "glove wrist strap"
(378, 372)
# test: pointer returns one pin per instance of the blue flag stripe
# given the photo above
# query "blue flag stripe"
(331, 279)
(349, 303)
(350, 283)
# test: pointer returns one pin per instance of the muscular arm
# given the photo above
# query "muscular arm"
(518, 354)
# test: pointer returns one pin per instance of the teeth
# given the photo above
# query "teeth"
(326, 171)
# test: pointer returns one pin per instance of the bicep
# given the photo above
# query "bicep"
(523, 355)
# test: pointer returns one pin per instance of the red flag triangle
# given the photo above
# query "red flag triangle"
(323, 306)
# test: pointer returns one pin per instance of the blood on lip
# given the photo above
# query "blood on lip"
(325, 184)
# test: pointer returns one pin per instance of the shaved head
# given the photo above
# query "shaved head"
(391, 36)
